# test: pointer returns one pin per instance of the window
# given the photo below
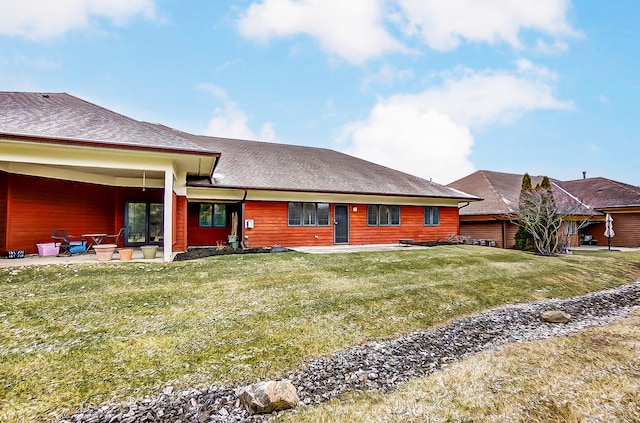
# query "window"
(569, 227)
(213, 215)
(372, 215)
(383, 215)
(323, 214)
(432, 216)
(308, 214)
(295, 214)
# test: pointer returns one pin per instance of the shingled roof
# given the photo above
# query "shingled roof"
(60, 117)
(501, 193)
(269, 166)
(603, 193)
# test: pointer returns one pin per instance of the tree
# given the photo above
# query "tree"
(539, 217)
(523, 239)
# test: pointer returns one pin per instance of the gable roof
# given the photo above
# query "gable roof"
(501, 193)
(269, 166)
(63, 118)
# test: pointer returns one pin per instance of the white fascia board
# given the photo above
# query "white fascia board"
(222, 194)
(90, 164)
(107, 157)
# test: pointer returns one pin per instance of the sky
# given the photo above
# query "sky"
(435, 88)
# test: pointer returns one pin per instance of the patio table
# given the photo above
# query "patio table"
(94, 239)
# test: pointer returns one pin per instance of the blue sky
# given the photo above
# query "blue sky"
(430, 87)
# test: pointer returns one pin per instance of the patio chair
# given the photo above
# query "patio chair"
(69, 244)
(116, 237)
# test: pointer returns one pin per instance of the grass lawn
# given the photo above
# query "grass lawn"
(87, 334)
(591, 376)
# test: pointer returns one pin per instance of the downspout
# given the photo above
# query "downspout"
(504, 235)
(242, 219)
(468, 202)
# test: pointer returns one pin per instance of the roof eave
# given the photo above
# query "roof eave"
(318, 191)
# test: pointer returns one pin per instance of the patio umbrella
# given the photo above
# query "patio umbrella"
(608, 229)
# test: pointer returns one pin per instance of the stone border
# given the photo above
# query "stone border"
(383, 366)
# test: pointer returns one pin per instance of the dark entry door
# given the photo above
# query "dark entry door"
(143, 222)
(341, 225)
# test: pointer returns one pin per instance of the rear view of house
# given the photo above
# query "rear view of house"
(584, 204)
(69, 164)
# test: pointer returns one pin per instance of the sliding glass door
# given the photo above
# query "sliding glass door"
(144, 223)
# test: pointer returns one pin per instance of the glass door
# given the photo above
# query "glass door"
(144, 223)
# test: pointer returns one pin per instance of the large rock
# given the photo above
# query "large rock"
(556, 316)
(267, 397)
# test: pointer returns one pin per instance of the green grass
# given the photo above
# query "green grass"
(590, 376)
(71, 336)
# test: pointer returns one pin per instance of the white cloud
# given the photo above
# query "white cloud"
(230, 121)
(42, 19)
(443, 25)
(360, 30)
(429, 134)
(481, 98)
(424, 143)
(352, 30)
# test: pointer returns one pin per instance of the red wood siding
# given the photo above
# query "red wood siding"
(34, 206)
(626, 227)
(512, 228)
(4, 180)
(38, 205)
(179, 223)
(270, 226)
(411, 226)
(483, 230)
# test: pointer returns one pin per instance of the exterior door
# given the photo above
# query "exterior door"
(143, 223)
(341, 224)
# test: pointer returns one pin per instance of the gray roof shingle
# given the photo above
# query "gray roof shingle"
(602, 193)
(60, 116)
(501, 193)
(269, 166)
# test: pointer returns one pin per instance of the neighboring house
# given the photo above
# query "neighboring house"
(584, 203)
(69, 164)
(620, 200)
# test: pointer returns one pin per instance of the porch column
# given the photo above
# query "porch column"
(168, 214)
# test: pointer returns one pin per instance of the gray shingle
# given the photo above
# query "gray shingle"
(501, 193)
(262, 165)
(65, 117)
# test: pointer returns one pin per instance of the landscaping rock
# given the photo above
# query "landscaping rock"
(556, 316)
(382, 366)
(267, 397)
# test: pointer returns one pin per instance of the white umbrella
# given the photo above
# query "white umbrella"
(608, 229)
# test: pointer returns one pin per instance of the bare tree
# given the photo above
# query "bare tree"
(541, 216)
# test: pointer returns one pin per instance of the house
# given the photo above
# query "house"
(69, 164)
(584, 203)
(620, 200)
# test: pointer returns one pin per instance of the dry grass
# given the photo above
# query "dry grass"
(77, 335)
(591, 376)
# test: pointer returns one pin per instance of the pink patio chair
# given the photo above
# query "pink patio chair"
(116, 237)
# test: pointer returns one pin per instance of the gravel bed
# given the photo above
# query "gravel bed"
(382, 366)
